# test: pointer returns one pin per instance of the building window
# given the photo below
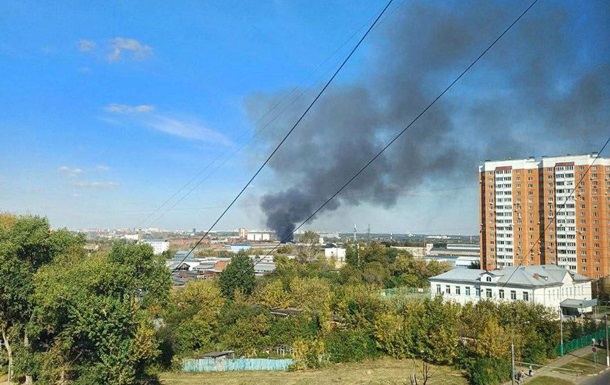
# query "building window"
(467, 289)
(458, 290)
(448, 289)
(438, 289)
(513, 295)
(488, 293)
(488, 279)
(501, 293)
(526, 296)
(478, 292)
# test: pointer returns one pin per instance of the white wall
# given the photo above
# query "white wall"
(337, 252)
(547, 296)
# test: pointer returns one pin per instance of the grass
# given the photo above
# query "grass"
(382, 371)
(586, 365)
(545, 380)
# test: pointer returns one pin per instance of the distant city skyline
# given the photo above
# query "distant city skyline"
(107, 110)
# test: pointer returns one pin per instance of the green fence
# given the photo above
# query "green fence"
(570, 346)
(406, 292)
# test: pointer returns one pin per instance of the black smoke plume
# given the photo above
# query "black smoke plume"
(543, 90)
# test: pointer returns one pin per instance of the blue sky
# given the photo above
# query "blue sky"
(108, 108)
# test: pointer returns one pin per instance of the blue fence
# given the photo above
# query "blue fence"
(234, 364)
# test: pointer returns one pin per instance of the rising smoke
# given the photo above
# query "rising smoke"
(543, 90)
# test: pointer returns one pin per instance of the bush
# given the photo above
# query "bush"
(488, 371)
(308, 354)
(350, 345)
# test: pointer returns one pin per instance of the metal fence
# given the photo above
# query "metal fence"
(570, 346)
(234, 364)
(406, 292)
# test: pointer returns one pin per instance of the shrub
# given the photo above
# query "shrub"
(350, 345)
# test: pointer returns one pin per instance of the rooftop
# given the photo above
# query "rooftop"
(544, 275)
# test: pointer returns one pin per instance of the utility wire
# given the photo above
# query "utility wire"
(252, 137)
(414, 119)
(220, 206)
(561, 207)
(289, 131)
(396, 137)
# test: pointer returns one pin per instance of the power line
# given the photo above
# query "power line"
(396, 137)
(289, 131)
(220, 206)
(261, 129)
(417, 117)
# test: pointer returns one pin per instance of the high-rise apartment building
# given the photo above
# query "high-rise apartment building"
(546, 211)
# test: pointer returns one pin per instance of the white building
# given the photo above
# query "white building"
(258, 236)
(237, 247)
(548, 285)
(158, 245)
(338, 253)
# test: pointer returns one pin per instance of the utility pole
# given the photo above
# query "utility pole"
(607, 349)
(356, 245)
(512, 355)
(561, 332)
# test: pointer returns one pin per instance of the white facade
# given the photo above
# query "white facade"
(158, 245)
(335, 252)
(547, 285)
(258, 236)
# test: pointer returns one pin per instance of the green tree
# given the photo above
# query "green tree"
(94, 319)
(191, 319)
(238, 276)
(271, 294)
(309, 246)
(26, 244)
(244, 327)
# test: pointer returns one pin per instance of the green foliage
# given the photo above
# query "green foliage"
(308, 246)
(238, 276)
(109, 318)
(93, 319)
(437, 335)
(350, 345)
(26, 245)
(286, 330)
(396, 330)
(309, 354)
(244, 327)
(271, 294)
(488, 371)
(191, 320)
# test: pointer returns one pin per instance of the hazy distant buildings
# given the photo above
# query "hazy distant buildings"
(546, 211)
(258, 236)
(158, 245)
(255, 235)
(237, 247)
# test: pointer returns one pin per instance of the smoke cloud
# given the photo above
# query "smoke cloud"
(543, 90)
